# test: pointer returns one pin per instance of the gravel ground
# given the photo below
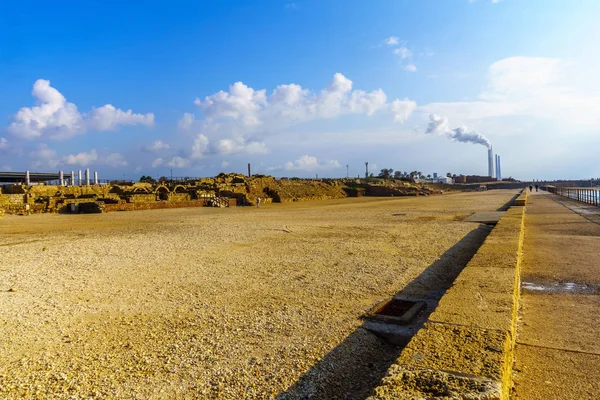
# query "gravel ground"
(213, 303)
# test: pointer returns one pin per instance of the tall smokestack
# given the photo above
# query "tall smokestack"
(498, 170)
(249, 174)
(366, 169)
(490, 162)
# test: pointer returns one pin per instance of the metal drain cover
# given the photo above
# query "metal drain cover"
(395, 311)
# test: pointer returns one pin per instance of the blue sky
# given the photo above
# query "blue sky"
(127, 89)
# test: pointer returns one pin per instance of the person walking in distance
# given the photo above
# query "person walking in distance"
(537, 187)
(530, 188)
(258, 202)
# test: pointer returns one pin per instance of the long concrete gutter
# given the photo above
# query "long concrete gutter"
(466, 348)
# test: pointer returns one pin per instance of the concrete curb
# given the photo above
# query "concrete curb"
(466, 348)
(521, 201)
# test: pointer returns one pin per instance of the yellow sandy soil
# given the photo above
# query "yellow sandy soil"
(213, 303)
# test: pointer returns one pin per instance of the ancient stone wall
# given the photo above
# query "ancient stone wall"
(179, 197)
(141, 198)
(208, 191)
(11, 199)
(123, 206)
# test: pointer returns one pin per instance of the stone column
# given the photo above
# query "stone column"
(80, 178)
(87, 177)
(95, 177)
(27, 180)
(61, 178)
(72, 178)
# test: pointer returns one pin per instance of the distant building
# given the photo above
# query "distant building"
(440, 179)
(443, 179)
(472, 179)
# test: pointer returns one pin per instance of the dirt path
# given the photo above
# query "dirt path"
(207, 303)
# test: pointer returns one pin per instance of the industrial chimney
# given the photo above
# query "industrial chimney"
(490, 162)
(498, 170)
(366, 169)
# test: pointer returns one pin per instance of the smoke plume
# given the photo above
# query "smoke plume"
(439, 125)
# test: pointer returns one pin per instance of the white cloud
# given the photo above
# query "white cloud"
(402, 52)
(43, 152)
(200, 147)
(402, 109)
(238, 121)
(156, 146)
(361, 102)
(438, 125)
(289, 104)
(186, 122)
(115, 160)
(224, 164)
(410, 68)
(392, 41)
(3, 143)
(83, 159)
(526, 86)
(518, 76)
(178, 162)
(307, 163)
(53, 116)
(234, 146)
(44, 157)
(157, 163)
(256, 148)
(56, 118)
(107, 118)
(241, 103)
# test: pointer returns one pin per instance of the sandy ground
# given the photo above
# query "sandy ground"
(213, 303)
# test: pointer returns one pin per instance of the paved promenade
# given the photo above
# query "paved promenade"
(558, 340)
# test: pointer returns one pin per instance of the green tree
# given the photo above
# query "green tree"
(147, 179)
(386, 173)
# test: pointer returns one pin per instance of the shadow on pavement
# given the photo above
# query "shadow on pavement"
(509, 203)
(354, 368)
